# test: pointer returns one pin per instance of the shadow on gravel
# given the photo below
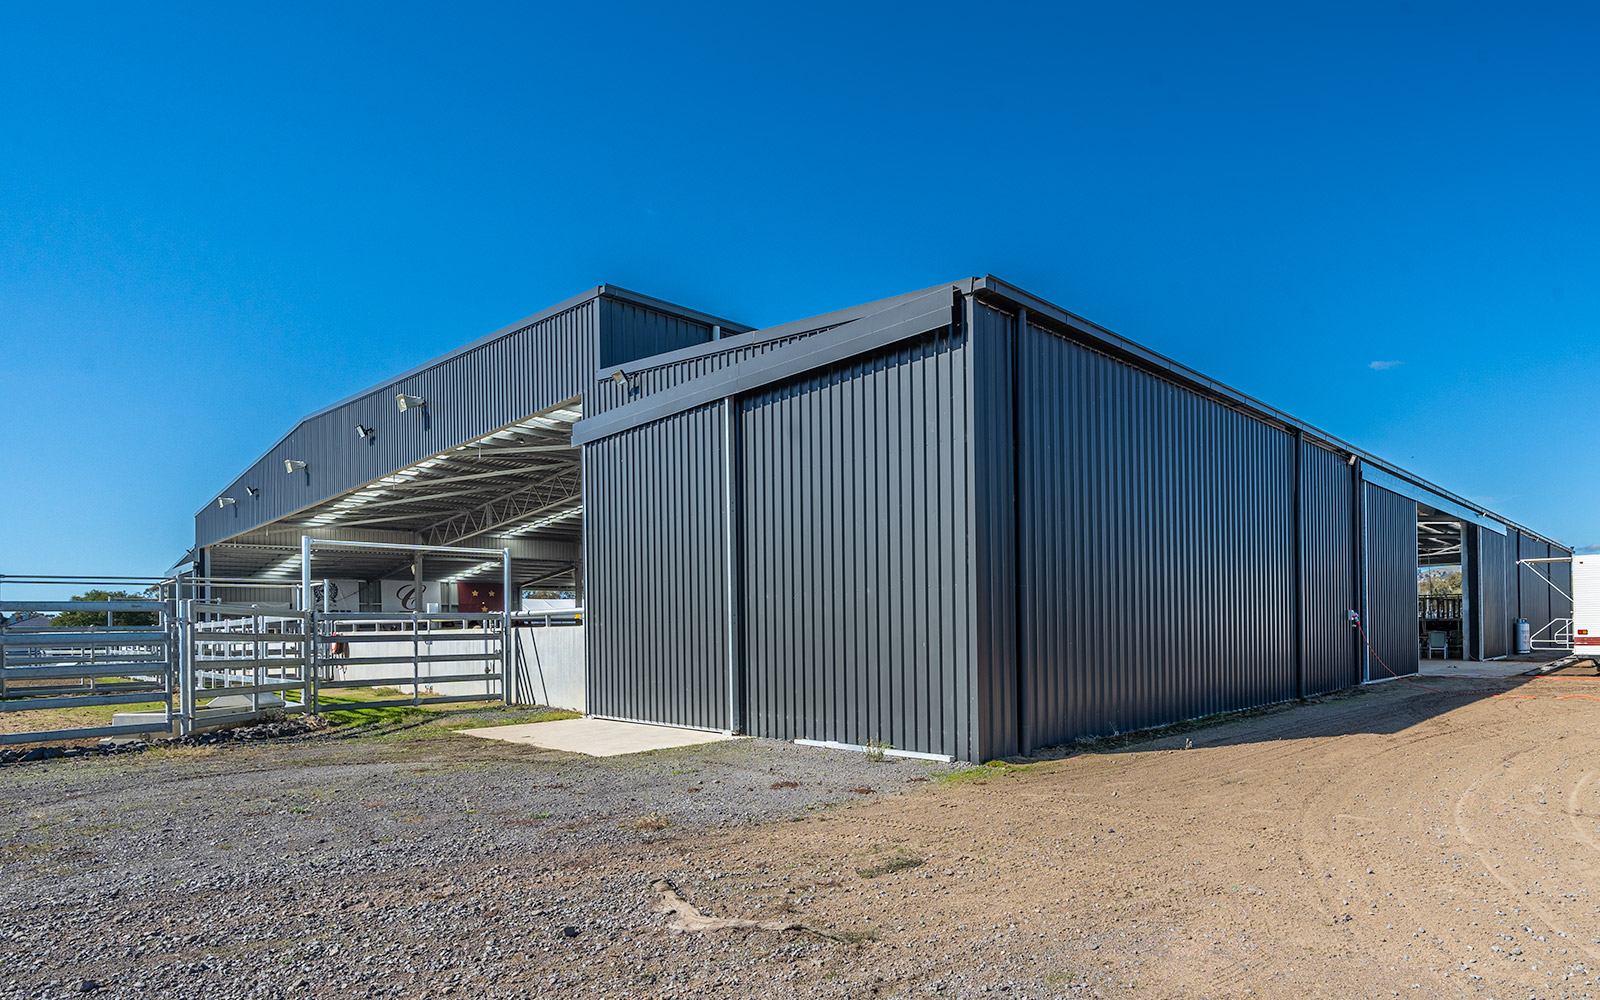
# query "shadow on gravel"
(1385, 708)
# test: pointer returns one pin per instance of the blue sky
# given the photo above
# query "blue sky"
(215, 219)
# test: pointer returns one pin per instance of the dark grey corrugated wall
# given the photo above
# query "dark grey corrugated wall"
(654, 553)
(1156, 547)
(1533, 590)
(1391, 620)
(629, 330)
(678, 367)
(1513, 586)
(1497, 613)
(1496, 605)
(855, 515)
(994, 538)
(1328, 532)
(1561, 575)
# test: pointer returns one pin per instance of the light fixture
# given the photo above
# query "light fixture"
(225, 501)
(620, 377)
(291, 465)
(366, 432)
(252, 491)
(409, 402)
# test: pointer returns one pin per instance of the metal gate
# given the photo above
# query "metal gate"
(67, 669)
(234, 654)
(372, 649)
(193, 661)
(438, 657)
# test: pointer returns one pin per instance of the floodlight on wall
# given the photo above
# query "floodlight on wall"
(363, 431)
(409, 402)
(291, 466)
(225, 501)
(252, 491)
(620, 377)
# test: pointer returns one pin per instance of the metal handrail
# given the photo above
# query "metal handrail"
(1560, 635)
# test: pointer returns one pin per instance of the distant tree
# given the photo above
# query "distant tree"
(550, 595)
(1442, 581)
(90, 619)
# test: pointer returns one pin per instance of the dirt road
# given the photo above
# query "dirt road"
(1400, 841)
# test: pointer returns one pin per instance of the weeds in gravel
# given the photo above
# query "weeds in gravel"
(654, 821)
(899, 863)
(784, 784)
(856, 936)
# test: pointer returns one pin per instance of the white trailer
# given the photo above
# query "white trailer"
(1586, 604)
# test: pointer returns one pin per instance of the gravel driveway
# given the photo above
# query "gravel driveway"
(392, 860)
(1428, 839)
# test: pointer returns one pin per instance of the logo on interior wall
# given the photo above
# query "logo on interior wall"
(402, 595)
(479, 598)
(336, 595)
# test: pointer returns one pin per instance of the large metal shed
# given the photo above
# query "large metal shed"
(960, 522)
(484, 458)
(965, 522)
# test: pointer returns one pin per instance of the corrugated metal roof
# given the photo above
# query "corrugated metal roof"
(869, 327)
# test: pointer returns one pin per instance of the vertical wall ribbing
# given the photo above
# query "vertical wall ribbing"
(1391, 619)
(1156, 538)
(856, 549)
(1329, 554)
(655, 584)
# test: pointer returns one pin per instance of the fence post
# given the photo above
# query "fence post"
(311, 628)
(505, 624)
(185, 666)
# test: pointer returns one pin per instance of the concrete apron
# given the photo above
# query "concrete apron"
(1477, 668)
(597, 737)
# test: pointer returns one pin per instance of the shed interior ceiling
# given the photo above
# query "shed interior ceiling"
(519, 486)
(1438, 538)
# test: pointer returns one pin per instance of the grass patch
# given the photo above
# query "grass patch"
(86, 717)
(898, 863)
(425, 722)
(981, 772)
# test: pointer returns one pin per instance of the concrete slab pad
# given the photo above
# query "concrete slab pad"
(1476, 668)
(596, 737)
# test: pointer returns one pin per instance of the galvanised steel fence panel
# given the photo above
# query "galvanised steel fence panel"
(238, 653)
(433, 655)
(60, 674)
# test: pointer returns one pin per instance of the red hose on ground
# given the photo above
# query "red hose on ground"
(1363, 630)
